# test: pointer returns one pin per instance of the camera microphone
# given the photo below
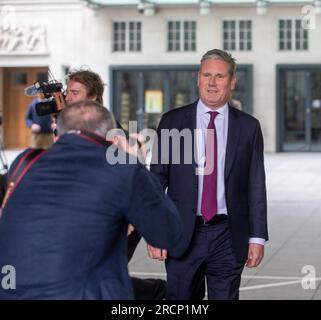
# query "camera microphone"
(31, 91)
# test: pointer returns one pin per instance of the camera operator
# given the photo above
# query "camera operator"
(86, 84)
(40, 126)
(64, 228)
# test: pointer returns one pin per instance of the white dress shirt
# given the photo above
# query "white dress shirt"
(221, 126)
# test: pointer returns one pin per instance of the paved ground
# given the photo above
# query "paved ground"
(293, 252)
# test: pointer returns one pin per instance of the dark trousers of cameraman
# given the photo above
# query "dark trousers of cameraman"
(41, 140)
(144, 289)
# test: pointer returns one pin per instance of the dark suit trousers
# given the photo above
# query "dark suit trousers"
(133, 240)
(210, 256)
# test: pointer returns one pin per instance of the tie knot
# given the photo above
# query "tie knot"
(213, 114)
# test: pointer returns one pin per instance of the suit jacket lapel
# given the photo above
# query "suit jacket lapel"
(233, 135)
(189, 122)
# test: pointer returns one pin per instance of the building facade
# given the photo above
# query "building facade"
(148, 54)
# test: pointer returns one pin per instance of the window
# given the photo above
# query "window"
(127, 36)
(134, 36)
(174, 36)
(189, 35)
(119, 36)
(292, 36)
(245, 35)
(301, 36)
(42, 76)
(181, 36)
(18, 78)
(237, 35)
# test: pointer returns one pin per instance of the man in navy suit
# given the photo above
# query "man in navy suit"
(64, 228)
(223, 209)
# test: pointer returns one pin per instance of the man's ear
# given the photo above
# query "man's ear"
(93, 98)
(233, 83)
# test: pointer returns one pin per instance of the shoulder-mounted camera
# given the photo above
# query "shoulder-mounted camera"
(52, 92)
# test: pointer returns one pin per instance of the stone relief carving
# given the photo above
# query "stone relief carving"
(20, 39)
(23, 40)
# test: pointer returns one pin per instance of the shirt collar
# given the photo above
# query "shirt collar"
(203, 109)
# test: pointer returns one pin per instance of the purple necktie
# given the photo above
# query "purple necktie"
(209, 195)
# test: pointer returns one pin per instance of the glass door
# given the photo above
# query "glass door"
(154, 98)
(242, 95)
(301, 104)
(316, 111)
(126, 99)
(294, 102)
(183, 88)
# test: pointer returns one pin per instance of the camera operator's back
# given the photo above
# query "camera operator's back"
(64, 228)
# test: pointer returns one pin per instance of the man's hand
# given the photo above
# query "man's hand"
(133, 147)
(130, 229)
(255, 255)
(35, 128)
(156, 253)
(137, 147)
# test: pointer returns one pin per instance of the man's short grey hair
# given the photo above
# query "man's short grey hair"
(85, 115)
(217, 54)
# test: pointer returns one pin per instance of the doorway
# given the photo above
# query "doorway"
(300, 107)
(15, 133)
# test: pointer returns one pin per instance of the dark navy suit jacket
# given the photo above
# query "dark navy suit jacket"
(65, 227)
(244, 174)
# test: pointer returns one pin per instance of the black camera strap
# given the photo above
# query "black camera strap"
(20, 170)
(95, 138)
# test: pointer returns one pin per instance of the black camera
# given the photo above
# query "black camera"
(46, 107)
(51, 91)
